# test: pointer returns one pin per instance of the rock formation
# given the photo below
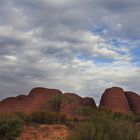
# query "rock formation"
(77, 103)
(87, 101)
(30, 103)
(118, 100)
(115, 99)
(133, 100)
(38, 97)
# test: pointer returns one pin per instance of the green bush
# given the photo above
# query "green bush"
(10, 128)
(46, 118)
(37, 117)
(137, 118)
(104, 130)
(84, 111)
(22, 116)
(51, 118)
(106, 125)
(124, 130)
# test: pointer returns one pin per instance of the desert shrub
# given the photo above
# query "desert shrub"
(10, 127)
(104, 130)
(137, 118)
(51, 118)
(82, 132)
(106, 125)
(105, 112)
(84, 111)
(46, 118)
(124, 130)
(118, 116)
(37, 117)
(88, 131)
(63, 118)
(22, 116)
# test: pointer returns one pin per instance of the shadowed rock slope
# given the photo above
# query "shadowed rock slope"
(38, 97)
(133, 100)
(77, 103)
(118, 100)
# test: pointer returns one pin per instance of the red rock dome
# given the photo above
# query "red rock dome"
(37, 98)
(114, 98)
(87, 101)
(30, 103)
(133, 100)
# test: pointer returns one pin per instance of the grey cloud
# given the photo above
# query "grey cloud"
(6, 41)
(120, 5)
(81, 14)
(45, 38)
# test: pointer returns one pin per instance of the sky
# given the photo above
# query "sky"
(80, 46)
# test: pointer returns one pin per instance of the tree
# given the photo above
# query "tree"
(57, 103)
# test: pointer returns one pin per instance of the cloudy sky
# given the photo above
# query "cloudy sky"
(81, 46)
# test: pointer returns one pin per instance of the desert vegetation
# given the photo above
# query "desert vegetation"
(102, 124)
(106, 125)
(70, 117)
(10, 127)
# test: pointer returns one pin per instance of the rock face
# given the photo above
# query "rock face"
(118, 100)
(115, 99)
(133, 100)
(30, 103)
(37, 98)
(87, 101)
(77, 103)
